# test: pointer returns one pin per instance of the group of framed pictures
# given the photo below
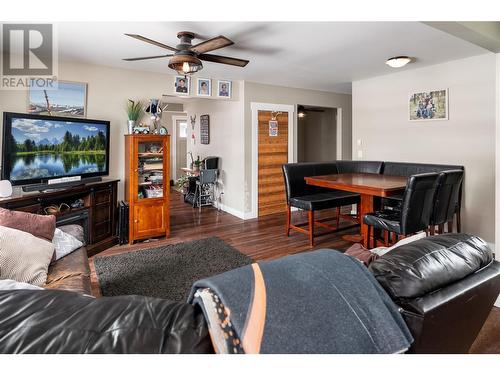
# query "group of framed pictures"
(203, 87)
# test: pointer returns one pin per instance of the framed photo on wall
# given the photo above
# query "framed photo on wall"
(204, 87)
(224, 89)
(428, 105)
(68, 99)
(182, 84)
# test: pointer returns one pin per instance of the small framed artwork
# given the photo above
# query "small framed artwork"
(68, 99)
(428, 105)
(182, 85)
(203, 87)
(205, 129)
(224, 89)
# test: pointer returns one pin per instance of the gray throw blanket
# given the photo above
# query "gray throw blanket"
(316, 302)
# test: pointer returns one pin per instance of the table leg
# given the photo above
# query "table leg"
(366, 206)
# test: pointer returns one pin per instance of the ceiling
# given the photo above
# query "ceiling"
(325, 56)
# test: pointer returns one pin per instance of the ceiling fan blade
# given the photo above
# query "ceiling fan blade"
(212, 44)
(223, 60)
(146, 58)
(151, 41)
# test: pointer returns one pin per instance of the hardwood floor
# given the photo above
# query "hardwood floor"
(265, 238)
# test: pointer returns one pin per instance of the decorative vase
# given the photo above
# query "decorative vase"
(131, 125)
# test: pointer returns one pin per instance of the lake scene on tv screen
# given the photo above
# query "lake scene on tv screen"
(51, 148)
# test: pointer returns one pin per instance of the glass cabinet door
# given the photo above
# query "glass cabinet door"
(150, 181)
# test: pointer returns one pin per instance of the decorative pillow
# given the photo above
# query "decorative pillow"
(384, 250)
(13, 285)
(42, 226)
(24, 257)
(64, 243)
(75, 230)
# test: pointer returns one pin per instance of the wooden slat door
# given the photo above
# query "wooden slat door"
(273, 153)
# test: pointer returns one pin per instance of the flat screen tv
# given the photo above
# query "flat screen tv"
(38, 148)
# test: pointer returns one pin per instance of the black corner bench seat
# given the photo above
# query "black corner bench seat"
(321, 201)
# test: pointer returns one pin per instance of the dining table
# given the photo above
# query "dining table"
(368, 186)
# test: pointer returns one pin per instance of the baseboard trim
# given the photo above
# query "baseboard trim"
(232, 211)
(497, 303)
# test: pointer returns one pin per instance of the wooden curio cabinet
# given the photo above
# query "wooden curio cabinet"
(147, 185)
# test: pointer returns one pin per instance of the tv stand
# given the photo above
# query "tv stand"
(98, 214)
(45, 187)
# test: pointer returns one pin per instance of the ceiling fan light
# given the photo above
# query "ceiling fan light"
(398, 61)
(185, 64)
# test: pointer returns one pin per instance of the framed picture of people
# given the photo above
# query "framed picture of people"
(224, 89)
(203, 87)
(182, 85)
(428, 105)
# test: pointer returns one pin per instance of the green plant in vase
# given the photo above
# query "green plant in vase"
(197, 164)
(134, 112)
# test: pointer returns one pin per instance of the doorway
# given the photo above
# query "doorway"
(180, 124)
(272, 146)
(316, 134)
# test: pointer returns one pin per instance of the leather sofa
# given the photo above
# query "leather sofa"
(444, 285)
(71, 272)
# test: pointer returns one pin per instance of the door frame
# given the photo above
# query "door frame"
(255, 108)
(339, 133)
(173, 146)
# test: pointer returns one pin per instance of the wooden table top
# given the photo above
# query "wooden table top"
(362, 183)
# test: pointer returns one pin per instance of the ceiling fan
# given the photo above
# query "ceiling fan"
(186, 58)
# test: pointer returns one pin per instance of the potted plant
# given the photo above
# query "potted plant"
(134, 112)
(182, 183)
(197, 164)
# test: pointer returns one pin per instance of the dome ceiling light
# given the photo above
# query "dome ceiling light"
(398, 61)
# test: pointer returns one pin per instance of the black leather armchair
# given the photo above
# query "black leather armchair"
(445, 285)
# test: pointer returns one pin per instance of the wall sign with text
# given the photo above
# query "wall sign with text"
(273, 128)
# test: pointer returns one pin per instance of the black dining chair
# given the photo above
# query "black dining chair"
(446, 200)
(416, 209)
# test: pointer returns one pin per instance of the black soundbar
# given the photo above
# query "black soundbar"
(46, 186)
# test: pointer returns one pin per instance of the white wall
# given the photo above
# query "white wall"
(226, 142)
(380, 120)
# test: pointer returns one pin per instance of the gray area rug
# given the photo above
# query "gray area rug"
(167, 271)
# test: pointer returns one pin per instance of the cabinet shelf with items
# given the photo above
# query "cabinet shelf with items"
(147, 185)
